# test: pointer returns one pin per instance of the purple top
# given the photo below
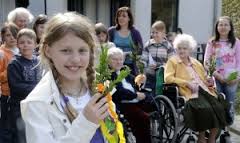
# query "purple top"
(227, 58)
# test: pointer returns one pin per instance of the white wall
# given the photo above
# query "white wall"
(142, 15)
(196, 17)
(56, 6)
(36, 7)
(104, 12)
(90, 8)
(5, 7)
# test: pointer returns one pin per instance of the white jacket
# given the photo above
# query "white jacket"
(45, 120)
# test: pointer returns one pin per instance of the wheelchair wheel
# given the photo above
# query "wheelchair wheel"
(163, 122)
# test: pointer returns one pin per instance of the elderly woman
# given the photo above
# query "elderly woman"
(129, 101)
(203, 110)
(21, 17)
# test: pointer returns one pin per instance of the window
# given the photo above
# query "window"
(76, 5)
(115, 4)
(166, 10)
(22, 3)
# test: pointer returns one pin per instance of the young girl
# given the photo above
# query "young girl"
(7, 51)
(38, 28)
(62, 107)
(225, 49)
(102, 35)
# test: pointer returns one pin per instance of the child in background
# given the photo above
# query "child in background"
(224, 48)
(23, 76)
(102, 35)
(7, 50)
(62, 107)
(170, 37)
(156, 53)
(38, 28)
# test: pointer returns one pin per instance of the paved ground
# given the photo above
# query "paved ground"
(235, 130)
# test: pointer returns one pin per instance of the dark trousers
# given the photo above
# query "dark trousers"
(5, 128)
(17, 123)
(138, 118)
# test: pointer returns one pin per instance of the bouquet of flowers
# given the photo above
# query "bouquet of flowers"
(211, 65)
(111, 127)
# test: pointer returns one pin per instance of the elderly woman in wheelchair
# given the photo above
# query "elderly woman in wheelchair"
(130, 102)
(204, 108)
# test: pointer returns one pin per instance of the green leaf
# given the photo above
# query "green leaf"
(110, 124)
(232, 76)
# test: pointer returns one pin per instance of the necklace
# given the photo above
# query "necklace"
(73, 92)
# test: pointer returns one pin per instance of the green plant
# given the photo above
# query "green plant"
(237, 102)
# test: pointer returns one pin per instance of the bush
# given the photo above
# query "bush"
(237, 102)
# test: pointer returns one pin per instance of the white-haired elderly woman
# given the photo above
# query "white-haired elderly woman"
(21, 17)
(204, 109)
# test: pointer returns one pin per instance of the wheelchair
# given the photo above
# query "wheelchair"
(167, 122)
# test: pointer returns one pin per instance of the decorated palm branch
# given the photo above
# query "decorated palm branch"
(140, 79)
(211, 65)
(111, 127)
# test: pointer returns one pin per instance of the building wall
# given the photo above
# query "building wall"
(56, 6)
(36, 7)
(5, 7)
(104, 12)
(142, 15)
(198, 20)
(231, 8)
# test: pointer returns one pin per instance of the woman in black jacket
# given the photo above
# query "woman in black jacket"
(130, 102)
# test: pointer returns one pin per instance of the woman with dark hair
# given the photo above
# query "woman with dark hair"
(125, 36)
(224, 49)
(38, 28)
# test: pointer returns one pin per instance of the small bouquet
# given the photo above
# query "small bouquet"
(111, 127)
(211, 65)
(140, 79)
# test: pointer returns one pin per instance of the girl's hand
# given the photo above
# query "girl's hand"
(231, 82)
(140, 96)
(210, 82)
(96, 110)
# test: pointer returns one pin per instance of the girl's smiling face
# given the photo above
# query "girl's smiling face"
(223, 27)
(70, 56)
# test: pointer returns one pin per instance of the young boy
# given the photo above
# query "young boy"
(23, 75)
(7, 50)
(156, 53)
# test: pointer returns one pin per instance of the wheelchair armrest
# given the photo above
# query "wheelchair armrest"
(170, 84)
(146, 90)
(223, 95)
